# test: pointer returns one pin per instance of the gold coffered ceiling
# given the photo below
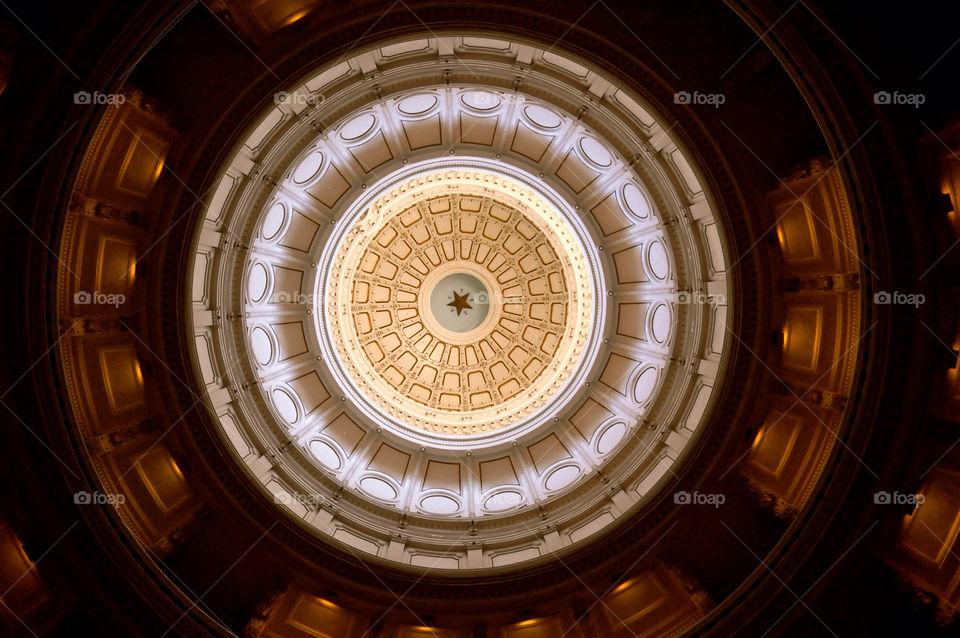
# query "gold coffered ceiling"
(532, 270)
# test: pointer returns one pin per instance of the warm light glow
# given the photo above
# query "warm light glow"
(622, 586)
(953, 374)
(759, 437)
(21, 550)
(916, 508)
(950, 208)
(527, 623)
(802, 335)
(323, 602)
(157, 172)
(6, 66)
(947, 194)
(14, 552)
(296, 16)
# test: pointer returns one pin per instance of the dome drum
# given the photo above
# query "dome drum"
(582, 384)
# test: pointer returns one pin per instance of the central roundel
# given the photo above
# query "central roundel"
(459, 302)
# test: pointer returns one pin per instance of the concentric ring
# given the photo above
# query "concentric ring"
(425, 223)
(295, 230)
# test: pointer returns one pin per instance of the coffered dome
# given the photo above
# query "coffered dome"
(467, 305)
(464, 306)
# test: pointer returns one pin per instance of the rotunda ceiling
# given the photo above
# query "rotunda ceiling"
(459, 302)
(446, 325)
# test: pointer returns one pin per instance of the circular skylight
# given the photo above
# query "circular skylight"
(459, 302)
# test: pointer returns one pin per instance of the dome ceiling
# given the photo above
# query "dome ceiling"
(464, 306)
(442, 323)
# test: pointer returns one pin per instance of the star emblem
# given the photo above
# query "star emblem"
(460, 302)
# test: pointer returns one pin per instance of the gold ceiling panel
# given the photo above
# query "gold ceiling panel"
(518, 343)
(533, 304)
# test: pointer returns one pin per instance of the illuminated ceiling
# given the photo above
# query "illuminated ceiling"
(394, 272)
(364, 204)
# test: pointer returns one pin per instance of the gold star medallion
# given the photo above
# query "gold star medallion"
(460, 302)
